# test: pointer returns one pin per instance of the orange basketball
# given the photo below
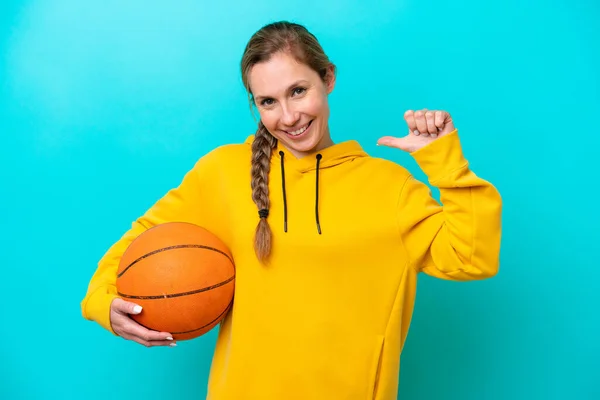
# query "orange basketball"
(182, 275)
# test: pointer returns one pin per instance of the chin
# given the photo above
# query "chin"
(306, 145)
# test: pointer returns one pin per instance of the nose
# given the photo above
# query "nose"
(289, 116)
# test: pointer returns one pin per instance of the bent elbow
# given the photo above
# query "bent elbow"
(488, 270)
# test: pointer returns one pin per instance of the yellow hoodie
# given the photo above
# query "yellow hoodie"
(328, 316)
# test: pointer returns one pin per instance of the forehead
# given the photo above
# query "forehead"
(276, 75)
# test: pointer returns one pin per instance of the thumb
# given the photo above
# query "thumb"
(126, 307)
(391, 141)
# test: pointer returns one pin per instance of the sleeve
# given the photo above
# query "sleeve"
(459, 239)
(179, 204)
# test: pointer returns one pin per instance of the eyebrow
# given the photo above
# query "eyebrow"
(292, 86)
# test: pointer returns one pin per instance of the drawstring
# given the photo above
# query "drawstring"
(317, 195)
(284, 196)
(319, 157)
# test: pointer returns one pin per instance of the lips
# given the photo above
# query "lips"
(299, 132)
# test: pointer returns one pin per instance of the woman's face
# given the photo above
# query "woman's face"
(291, 99)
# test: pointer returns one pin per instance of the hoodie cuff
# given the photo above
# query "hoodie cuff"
(441, 157)
(97, 306)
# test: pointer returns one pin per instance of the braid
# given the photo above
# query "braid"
(262, 147)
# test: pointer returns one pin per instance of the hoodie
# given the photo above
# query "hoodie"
(327, 316)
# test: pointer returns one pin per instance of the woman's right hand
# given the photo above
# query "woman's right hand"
(127, 328)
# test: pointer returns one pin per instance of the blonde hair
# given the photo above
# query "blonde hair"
(273, 38)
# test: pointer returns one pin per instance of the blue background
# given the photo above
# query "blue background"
(104, 105)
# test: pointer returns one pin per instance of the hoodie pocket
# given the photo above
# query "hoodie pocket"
(375, 367)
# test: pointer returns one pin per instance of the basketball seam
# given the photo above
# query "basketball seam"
(202, 327)
(168, 296)
(179, 246)
(210, 323)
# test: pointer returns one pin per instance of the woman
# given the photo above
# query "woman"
(327, 240)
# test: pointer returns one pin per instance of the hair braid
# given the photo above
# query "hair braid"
(262, 147)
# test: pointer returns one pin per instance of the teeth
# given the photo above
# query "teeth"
(299, 131)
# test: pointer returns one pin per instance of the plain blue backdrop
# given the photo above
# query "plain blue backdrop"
(104, 106)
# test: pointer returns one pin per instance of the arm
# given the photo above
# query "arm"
(179, 204)
(460, 239)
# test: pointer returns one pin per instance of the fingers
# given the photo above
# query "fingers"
(391, 141)
(416, 122)
(409, 117)
(149, 343)
(424, 122)
(127, 328)
(408, 143)
(153, 343)
(430, 121)
(440, 119)
(125, 307)
(421, 123)
(132, 328)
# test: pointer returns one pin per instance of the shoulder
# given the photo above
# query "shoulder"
(384, 167)
(227, 155)
(226, 152)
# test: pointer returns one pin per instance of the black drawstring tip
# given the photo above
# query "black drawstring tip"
(319, 228)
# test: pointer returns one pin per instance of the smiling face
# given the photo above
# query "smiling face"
(291, 99)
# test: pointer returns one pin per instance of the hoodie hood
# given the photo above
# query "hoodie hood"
(327, 158)
(331, 156)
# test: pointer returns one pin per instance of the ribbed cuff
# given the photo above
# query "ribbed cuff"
(97, 306)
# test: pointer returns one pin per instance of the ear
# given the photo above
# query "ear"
(330, 78)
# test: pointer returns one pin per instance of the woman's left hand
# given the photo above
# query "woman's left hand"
(424, 126)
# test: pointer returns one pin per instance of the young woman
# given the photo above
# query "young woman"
(327, 241)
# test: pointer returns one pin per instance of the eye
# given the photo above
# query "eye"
(298, 91)
(266, 102)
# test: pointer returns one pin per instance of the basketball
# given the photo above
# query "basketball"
(182, 275)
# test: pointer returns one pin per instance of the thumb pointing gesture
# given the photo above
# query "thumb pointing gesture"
(424, 127)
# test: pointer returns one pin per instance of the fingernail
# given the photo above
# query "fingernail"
(173, 345)
(137, 309)
(416, 133)
(169, 338)
(434, 135)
